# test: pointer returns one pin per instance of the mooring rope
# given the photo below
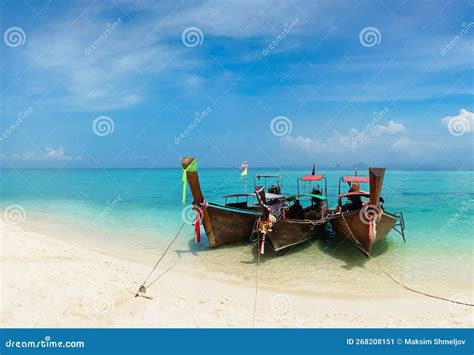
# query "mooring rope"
(357, 243)
(256, 287)
(143, 287)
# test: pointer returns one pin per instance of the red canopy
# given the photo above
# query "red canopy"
(312, 177)
(356, 179)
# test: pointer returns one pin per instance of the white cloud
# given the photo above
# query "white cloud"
(85, 67)
(49, 153)
(394, 128)
(391, 128)
(354, 139)
(461, 123)
(331, 144)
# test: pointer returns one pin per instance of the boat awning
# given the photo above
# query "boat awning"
(320, 197)
(312, 178)
(268, 196)
(355, 193)
(356, 179)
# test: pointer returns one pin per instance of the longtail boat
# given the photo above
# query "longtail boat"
(365, 223)
(286, 223)
(223, 223)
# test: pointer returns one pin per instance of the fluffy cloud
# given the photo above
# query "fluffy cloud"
(353, 139)
(379, 130)
(461, 123)
(49, 153)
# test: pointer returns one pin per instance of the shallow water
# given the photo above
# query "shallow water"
(135, 212)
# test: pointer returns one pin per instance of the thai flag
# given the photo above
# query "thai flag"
(244, 165)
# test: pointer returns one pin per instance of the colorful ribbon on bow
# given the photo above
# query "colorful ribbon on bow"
(264, 227)
(199, 209)
(192, 168)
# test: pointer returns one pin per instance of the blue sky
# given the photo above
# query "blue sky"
(277, 83)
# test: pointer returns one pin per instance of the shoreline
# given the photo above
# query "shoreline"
(48, 282)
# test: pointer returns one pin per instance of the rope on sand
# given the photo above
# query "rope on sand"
(357, 243)
(142, 289)
(256, 289)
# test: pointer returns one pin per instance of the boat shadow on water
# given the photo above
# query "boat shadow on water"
(271, 254)
(203, 247)
(345, 251)
(248, 251)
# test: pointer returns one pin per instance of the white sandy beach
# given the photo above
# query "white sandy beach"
(48, 282)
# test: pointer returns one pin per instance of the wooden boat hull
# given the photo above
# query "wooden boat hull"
(289, 232)
(229, 224)
(349, 225)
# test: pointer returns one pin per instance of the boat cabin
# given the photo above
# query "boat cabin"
(272, 185)
(352, 199)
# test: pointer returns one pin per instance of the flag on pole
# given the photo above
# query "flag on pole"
(244, 166)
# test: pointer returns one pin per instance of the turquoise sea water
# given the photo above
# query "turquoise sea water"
(141, 209)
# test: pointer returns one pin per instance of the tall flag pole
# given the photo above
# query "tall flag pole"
(244, 168)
